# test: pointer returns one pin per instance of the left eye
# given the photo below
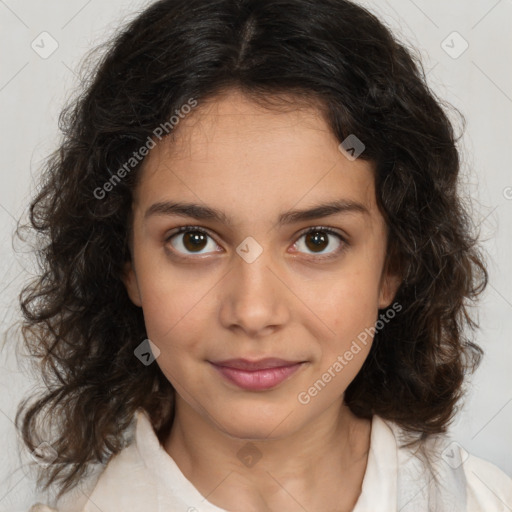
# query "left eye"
(318, 239)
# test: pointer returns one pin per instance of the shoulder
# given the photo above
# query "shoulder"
(112, 474)
(111, 479)
(120, 484)
(115, 469)
(441, 471)
(487, 484)
(73, 500)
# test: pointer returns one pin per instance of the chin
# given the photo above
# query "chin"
(256, 423)
(251, 432)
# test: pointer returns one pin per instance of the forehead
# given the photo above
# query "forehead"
(233, 121)
(231, 151)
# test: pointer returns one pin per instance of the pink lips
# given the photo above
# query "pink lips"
(256, 375)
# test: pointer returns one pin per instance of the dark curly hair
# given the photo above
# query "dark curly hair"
(79, 324)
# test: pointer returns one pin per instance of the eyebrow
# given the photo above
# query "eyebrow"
(201, 212)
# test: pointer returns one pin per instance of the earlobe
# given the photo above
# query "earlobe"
(130, 282)
(388, 290)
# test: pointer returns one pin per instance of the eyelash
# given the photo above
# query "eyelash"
(313, 229)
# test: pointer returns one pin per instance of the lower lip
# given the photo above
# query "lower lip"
(258, 379)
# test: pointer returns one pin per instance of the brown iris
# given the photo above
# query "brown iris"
(194, 240)
(317, 240)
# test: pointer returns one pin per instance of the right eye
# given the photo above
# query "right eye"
(190, 240)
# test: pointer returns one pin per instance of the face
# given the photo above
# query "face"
(244, 275)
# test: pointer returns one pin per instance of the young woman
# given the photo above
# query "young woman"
(255, 274)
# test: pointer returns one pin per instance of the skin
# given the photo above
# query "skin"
(254, 164)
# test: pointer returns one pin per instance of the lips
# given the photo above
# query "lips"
(261, 364)
(257, 375)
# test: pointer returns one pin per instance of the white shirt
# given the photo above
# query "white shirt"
(143, 477)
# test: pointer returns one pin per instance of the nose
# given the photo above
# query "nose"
(254, 298)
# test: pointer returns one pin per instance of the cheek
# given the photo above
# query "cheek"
(346, 302)
(350, 310)
(354, 305)
(175, 318)
(173, 301)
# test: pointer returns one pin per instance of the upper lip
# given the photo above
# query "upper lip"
(260, 364)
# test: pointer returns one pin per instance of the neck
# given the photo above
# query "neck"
(322, 462)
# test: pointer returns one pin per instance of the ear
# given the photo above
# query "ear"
(130, 282)
(390, 281)
(388, 287)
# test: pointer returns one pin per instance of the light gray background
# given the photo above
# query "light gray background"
(479, 82)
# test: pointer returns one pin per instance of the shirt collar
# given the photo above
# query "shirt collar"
(164, 469)
(380, 482)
